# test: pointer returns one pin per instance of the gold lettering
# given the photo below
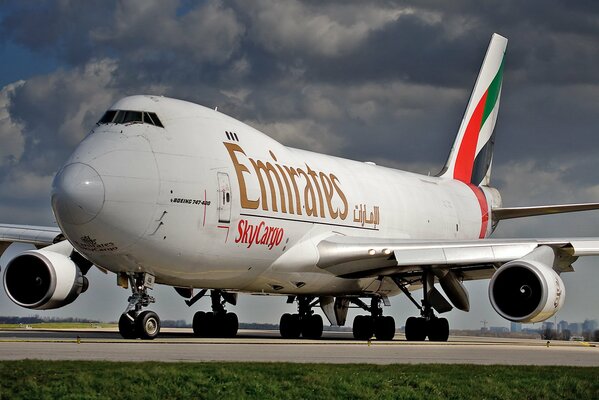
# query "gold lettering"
(269, 171)
(312, 173)
(335, 180)
(292, 174)
(289, 194)
(239, 170)
(327, 188)
(309, 197)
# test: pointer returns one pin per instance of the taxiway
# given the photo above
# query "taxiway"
(177, 345)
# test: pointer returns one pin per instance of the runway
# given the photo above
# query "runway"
(179, 345)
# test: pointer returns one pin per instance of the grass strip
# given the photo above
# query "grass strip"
(32, 379)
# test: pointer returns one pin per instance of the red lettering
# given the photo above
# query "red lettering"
(260, 234)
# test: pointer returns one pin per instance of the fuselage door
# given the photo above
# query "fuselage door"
(224, 197)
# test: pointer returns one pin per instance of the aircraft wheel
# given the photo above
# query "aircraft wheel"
(219, 325)
(415, 329)
(363, 327)
(199, 323)
(230, 325)
(384, 328)
(438, 330)
(312, 327)
(127, 328)
(284, 326)
(208, 330)
(290, 326)
(148, 325)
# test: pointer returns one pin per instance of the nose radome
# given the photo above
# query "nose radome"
(77, 194)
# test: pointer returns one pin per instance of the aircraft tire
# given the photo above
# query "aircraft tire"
(284, 326)
(289, 326)
(438, 330)
(312, 327)
(127, 328)
(363, 327)
(230, 325)
(416, 329)
(199, 323)
(148, 325)
(384, 328)
(210, 325)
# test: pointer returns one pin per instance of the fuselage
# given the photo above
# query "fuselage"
(206, 201)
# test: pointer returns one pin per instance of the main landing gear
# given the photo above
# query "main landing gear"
(305, 323)
(428, 324)
(219, 322)
(133, 323)
(376, 324)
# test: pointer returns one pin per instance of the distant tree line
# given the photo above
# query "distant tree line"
(36, 319)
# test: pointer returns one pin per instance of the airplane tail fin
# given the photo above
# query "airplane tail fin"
(472, 153)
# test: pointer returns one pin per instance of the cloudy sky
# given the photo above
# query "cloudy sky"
(385, 81)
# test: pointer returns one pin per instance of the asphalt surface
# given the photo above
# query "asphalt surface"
(177, 345)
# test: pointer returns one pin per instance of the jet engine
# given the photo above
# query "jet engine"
(526, 291)
(43, 279)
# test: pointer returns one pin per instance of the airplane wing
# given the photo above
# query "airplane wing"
(353, 257)
(40, 236)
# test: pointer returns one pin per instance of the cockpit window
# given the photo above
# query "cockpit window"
(130, 117)
(108, 117)
(153, 118)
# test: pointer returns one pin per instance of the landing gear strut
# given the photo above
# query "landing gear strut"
(428, 324)
(133, 323)
(376, 324)
(219, 322)
(305, 323)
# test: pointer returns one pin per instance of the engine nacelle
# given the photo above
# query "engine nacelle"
(526, 291)
(42, 279)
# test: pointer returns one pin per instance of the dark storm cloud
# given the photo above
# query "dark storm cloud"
(384, 81)
(57, 28)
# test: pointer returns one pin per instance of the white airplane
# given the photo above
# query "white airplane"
(163, 191)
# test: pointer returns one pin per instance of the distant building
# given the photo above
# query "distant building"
(499, 329)
(589, 325)
(548, 326)
(516, 327)
(562, 326)
(575, 328)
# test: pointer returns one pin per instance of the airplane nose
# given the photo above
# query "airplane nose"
(77, 194)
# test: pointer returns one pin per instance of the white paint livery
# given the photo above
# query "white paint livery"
(169, 191)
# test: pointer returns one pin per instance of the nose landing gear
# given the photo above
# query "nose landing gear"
(133, 323)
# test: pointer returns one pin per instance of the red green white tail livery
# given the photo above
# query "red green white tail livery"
(472, 153)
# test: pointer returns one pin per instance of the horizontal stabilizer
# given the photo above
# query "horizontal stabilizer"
(519, 212)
